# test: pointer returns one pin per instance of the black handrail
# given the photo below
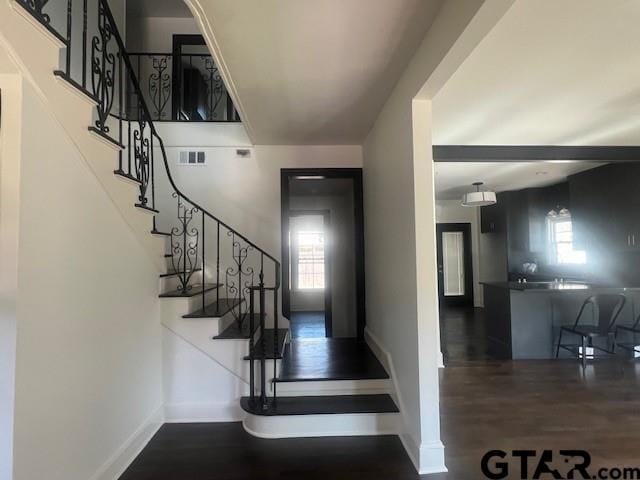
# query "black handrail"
(107, 79)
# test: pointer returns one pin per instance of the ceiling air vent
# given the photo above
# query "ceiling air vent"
(192, 158)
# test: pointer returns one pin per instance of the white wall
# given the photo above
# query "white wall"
(88, 368)
(245, 192)
(196, 388)
(450, 211)
(11, 96)
(155, 34)
(400, 222)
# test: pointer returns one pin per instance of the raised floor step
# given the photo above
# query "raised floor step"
(216, 309)
(270, 344)
(322, 405)
(195, 290)
(237, 331)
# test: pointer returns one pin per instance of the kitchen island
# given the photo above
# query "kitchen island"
(524, 319)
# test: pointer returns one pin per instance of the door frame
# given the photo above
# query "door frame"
(462, 300)
(354, 174)
(328, 258)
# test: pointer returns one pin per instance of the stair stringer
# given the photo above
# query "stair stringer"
(36, 60)
(199, 333)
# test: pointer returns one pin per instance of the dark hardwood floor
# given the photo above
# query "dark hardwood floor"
(463, 335)
(536, 405)
(329, 359)
(307, 325)
(224, 451)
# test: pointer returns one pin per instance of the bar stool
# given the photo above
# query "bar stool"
(606, 309)
(634, 330)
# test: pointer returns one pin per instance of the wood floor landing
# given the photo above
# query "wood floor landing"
(329, 359)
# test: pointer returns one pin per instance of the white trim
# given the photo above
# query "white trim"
(426, 457)
(204, 412)
(387, 362)
(77, 92)
(440, 360)
(326, 425)
(334, 387)
(117, 463)
(206, 28)
(36, 24)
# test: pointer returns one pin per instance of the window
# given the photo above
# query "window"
(561, 236)
(310, 260)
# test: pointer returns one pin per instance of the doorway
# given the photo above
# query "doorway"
(323, 252)
(455, 264)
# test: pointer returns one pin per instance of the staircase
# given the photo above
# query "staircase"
(219, 290)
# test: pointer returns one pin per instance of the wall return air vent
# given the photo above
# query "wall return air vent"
(192, 158)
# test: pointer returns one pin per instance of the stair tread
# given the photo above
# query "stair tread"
(214, 310)
(235, 331)
(146, 207)
(172, 273)
(269, 334)
(195, 290)
(323, 405)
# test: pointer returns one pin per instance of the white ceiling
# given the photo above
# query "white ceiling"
(453, 179)
(316, 71)
(158, 8)
(550, 72)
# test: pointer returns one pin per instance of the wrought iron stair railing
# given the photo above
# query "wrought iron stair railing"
(184, 89)
(208, 257)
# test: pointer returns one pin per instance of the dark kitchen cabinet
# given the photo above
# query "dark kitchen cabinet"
(518, 221)
(604, 209)
(493, 217)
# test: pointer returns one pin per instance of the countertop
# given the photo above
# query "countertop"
(554, 286)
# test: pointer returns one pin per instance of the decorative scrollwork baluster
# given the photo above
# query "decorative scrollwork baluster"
(37, 7)
(239, 278)
(184, 245)
(103, 65)
(159, 85)
(215, 88)
(141, 158)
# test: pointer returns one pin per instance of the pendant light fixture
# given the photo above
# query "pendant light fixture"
(478, 198)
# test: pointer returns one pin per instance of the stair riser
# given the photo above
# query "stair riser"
(179, 306)
(335, 387)
(298, 426)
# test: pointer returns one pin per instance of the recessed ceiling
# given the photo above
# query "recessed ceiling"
(549, 73)
(158, 8)
(316, 71)
(454, 179)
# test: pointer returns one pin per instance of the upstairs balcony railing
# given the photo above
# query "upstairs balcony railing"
(183, 88)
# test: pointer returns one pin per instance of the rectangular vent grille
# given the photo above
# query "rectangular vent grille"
(192, 158)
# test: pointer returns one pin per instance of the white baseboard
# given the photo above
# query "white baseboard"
(115, 466)
(426, 458)
(203, 412)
